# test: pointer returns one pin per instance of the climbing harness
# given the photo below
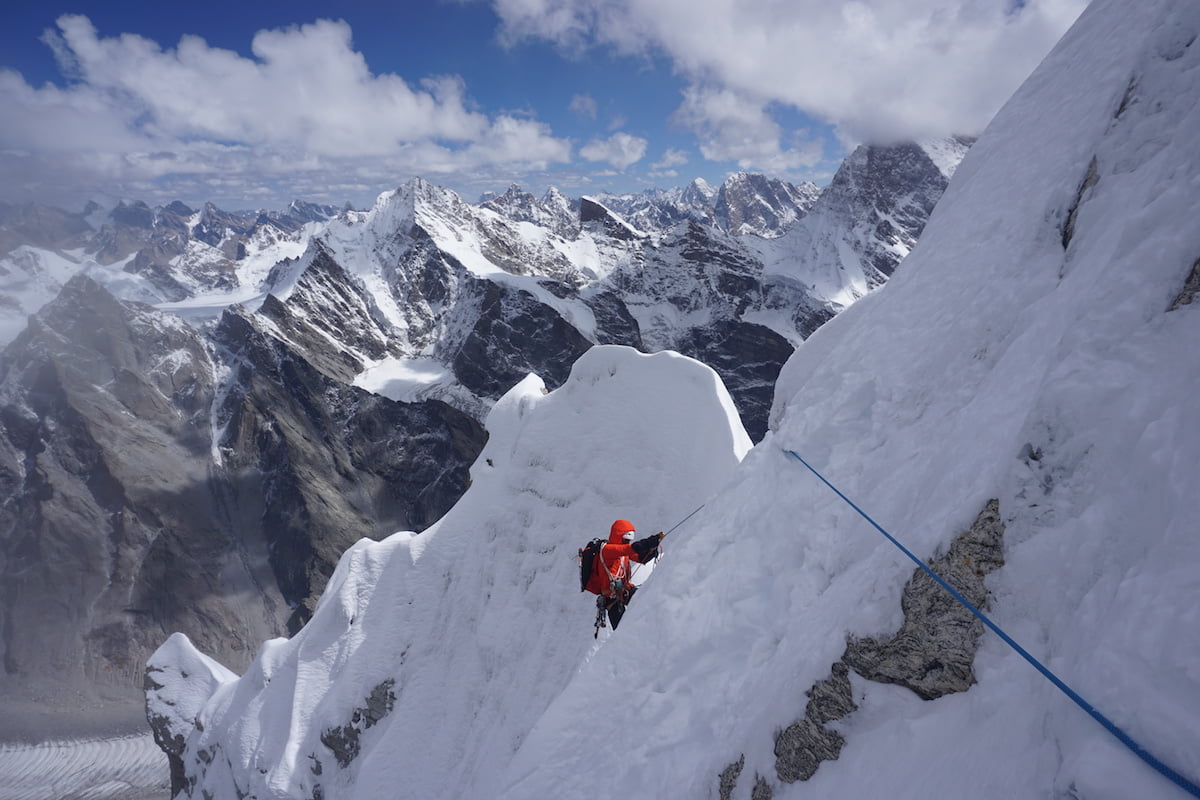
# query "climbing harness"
(618, 585)
(1125, 739)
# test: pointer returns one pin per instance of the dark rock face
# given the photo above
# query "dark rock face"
(751, 203)
(600, 218)
(109, 507)
(614, 323)
(149, 488)
(890, 193)
(934, 649)
(515, 335)
(1190, 287)
(803, 745)
(343, 740)
(727, 780)
(748, 358)
(932, 653)
(327, 299)
(329, 463)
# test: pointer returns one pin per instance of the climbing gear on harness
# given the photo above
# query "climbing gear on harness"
(1125, 739)
(600, 609)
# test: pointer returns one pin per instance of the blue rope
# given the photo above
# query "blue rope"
(1125, 739)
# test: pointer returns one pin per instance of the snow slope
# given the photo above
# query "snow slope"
(475, 625)
(1024, 352)
(997, 363)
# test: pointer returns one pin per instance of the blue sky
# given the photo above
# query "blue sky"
(252, 104)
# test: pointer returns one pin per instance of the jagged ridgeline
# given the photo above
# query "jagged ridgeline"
(206, 408)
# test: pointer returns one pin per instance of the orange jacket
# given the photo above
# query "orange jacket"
(614, 558)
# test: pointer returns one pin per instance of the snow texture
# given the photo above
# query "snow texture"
(430, 656)
(118, 768)
(995, 363)
(1024, 352)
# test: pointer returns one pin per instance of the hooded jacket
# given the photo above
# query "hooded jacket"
(615, 557)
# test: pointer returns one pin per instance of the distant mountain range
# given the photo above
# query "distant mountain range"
(200, 409)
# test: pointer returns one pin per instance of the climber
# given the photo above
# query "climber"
(606, 570)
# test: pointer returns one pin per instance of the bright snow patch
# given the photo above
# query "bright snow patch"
(405, 379)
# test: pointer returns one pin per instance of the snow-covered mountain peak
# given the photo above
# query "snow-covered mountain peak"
(595, 215)
(750, 203)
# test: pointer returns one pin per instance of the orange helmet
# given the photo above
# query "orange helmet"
(619, 531)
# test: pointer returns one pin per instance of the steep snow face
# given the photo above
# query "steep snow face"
(429, 657)
(1024, 353)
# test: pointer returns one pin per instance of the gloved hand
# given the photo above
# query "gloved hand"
(660, 535)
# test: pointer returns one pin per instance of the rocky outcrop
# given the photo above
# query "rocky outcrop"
(802, 746)
(112, 531)
(553, 211)
(325, 298)
(886, 194)
(1190, 287)
(748, 357)
(597, 217)
(514, 335)
(934, 649)
(343, 740)
(749, 203)
(932, 654)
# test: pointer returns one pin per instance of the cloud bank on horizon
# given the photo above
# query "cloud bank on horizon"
(761, 86)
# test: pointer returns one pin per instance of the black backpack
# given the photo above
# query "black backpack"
(587, 557)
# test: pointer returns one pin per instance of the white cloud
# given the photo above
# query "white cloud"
(671, 158)
(876, 69)
(584, 105)
(621, 150)
(306, 101)
(730, 126)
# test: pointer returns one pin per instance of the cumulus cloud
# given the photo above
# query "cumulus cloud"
(671, 158)
(875, 69)
(621, 150)
(584, 105)
(733, 127)
(306, 100)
